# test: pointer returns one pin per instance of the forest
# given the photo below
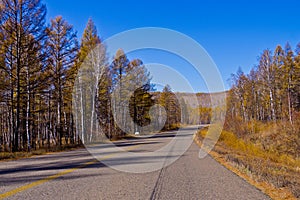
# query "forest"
(43, 68)
(57, 90)
(264, 105)
(261, 134)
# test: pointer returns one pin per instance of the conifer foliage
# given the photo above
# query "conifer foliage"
(271, 91)
(56, 91)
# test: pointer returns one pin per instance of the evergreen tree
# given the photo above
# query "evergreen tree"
(62, 47)
(22, 28)
(287, 77)
(141, 99)
(169, 101)
(296, 80)
(118, 69)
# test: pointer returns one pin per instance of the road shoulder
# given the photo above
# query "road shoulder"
(268, 189)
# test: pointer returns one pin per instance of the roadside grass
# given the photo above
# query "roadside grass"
(17, 155)
(277, 174)
(5, 156)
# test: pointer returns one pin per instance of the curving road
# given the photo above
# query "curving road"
(78, 175)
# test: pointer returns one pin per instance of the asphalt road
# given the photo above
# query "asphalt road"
(78, 175)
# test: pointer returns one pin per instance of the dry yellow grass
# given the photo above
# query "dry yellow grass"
(6, 156)
(242, 159)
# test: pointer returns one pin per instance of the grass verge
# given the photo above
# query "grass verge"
(6, 156)
(276, 175)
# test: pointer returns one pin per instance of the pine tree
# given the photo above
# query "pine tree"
(279, 93)
(141, 99)
(119, 68)
(287, 77)
(22, 27)
(89, 40)
(296, 80)
(169, 101)
(62, 46)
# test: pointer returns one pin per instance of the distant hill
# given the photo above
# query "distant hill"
(202, 99)
(198, 99)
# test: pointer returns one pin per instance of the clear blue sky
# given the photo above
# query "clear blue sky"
(234, 33)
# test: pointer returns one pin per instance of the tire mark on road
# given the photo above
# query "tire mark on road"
(159, 183)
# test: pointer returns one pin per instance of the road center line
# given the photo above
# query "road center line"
(55, 176)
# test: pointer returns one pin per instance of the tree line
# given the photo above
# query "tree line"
(51, 93)
(271, 91)
(264, 106)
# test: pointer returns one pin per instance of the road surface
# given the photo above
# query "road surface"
(78, 175)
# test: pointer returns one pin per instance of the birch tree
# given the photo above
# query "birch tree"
(92, 66)
(267, 73)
